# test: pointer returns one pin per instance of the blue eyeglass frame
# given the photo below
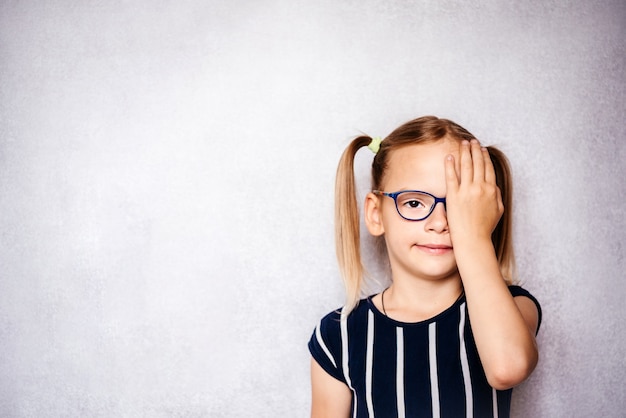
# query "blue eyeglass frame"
(394, 196)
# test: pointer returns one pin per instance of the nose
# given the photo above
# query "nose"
(438, 220)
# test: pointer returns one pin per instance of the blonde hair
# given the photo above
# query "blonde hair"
(347, 218)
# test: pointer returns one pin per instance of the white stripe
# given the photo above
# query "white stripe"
(320, 340)
(369, 354)
(400, 371)
(469, 401)
(495, 402)
(432, 361)
(344, 357)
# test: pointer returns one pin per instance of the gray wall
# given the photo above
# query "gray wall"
(166, 175)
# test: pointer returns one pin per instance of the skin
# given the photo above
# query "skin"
(434, 260)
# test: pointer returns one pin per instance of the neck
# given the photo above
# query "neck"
(414, 301)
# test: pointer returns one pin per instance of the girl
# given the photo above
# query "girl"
(452, 335)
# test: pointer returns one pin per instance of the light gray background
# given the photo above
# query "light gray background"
(166, 187)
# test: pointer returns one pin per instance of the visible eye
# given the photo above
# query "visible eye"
(414, 204)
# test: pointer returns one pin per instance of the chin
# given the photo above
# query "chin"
(436, 274)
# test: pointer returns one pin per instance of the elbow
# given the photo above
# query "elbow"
(512, 372)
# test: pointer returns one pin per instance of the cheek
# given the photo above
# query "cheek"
(399, 229)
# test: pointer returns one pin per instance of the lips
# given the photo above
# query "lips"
(434, 249)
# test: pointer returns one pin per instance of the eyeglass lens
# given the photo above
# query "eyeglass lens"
(414, 205)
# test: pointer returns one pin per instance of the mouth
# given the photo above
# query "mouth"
(434, 249)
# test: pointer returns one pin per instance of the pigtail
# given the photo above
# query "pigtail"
(347, 224)
(502, 236)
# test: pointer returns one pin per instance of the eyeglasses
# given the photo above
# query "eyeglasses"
(413, 205)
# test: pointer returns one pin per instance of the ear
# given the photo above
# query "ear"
(373, 215)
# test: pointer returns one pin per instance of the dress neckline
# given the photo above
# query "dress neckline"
(452, 308)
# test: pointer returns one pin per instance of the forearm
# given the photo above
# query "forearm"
(504, 341)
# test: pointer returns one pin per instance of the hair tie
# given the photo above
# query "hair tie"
(374, 146)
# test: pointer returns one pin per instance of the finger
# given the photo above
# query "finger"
(457, 166)
(477, 161)
(467, 169)
(490, 171)
(452, 180)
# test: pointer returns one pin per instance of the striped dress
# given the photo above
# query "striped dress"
(396, 369)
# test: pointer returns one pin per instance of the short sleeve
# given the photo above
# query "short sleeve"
(520, 291)
(325, 345)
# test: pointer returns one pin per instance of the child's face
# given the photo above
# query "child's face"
(420, 249)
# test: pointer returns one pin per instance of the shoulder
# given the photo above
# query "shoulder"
(519, 291)
(329, 329)
(327, 341)
(330, 325)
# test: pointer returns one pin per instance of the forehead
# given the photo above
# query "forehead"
(420, 165)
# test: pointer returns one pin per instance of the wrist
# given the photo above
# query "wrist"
(477, 263)
(474, 250)
(471, 240)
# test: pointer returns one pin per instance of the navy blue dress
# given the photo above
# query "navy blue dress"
(395, 369)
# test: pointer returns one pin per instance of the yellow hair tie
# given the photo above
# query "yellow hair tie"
(374, 146)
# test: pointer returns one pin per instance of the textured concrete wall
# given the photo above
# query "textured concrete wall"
(166, 174)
